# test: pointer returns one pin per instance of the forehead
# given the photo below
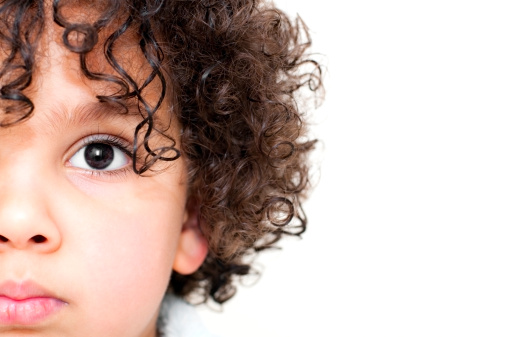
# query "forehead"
(116, 69)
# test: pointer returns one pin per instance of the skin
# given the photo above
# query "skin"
(111, 238)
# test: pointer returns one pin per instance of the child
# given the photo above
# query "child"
(148, 148)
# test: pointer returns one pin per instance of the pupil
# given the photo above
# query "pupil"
(99, 156)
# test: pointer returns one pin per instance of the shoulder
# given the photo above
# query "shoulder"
(178, 318)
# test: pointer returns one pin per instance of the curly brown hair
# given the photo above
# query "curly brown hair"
(233, 70)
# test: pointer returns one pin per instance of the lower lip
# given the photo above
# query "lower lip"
(28, 311)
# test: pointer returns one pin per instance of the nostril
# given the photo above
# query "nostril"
(3, 238)
(39, 239)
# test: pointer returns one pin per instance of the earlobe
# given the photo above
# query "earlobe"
(192, 245)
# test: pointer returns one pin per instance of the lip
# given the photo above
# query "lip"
(26, 303)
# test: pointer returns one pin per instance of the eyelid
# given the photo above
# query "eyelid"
(122, 144)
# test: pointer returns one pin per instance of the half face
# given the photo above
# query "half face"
(86, 246)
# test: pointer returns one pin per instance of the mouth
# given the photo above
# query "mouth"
(26, 303)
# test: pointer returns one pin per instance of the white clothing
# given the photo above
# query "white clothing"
(178, 318)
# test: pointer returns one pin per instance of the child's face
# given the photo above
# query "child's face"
(85, 252)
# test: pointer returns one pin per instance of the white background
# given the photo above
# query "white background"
(408, 224)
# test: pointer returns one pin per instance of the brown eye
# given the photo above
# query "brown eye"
(97, 156)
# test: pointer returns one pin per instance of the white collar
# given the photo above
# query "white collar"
(178, 318)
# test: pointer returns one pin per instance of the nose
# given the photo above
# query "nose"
(25, 219)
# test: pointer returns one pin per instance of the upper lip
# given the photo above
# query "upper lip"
(23, 290)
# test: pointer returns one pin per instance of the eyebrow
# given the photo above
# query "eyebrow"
(86, 114)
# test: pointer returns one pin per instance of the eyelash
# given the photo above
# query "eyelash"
(117, 142)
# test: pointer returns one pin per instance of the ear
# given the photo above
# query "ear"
(192, 245)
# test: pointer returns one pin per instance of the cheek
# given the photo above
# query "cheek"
(123, 247)
(128, 246)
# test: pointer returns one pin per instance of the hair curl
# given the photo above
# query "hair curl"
(233, 69)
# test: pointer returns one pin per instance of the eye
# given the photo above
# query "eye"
(100, 156)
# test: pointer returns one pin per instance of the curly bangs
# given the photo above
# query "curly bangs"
(235, 72)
